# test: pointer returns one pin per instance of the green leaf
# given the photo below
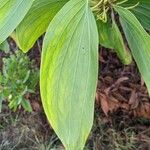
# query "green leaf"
(36, 22)
(4, 46)
(141, 11)
(13, 104)
(26, 105)
(69, 71)
(138, 40)
(1, 102)
(119, 46)
(104, 30)
(11, 14)
(110, 37)
(128, 3)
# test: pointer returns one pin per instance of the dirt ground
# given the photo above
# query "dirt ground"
(122, 112)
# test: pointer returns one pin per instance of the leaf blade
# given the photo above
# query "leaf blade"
(36, 22)
(141, 11)
(138, 41)
(119, 45)
(68, 90)
(104, 30)
(11, 14)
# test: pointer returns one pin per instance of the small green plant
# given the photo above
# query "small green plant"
(17, 80)
(4, 46)
(69, 64)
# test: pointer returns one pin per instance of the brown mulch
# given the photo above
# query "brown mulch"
(121, 87)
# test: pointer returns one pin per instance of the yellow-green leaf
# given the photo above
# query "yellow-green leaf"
(104, 30)
(69, 71)
(110, 37)
(36, 22)
(11, 14)
(119, 46)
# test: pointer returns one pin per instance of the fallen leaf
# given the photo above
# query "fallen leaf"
(104, 103)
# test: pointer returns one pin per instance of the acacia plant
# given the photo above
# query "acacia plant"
(69, 66)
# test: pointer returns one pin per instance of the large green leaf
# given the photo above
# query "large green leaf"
(119, 46)
(104, 30)
(138, 40)
(69, 72)
(110, 37)
(11, 14)
(141, 11)
(36, 22)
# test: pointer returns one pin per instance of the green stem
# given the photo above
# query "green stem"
(97, 5)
